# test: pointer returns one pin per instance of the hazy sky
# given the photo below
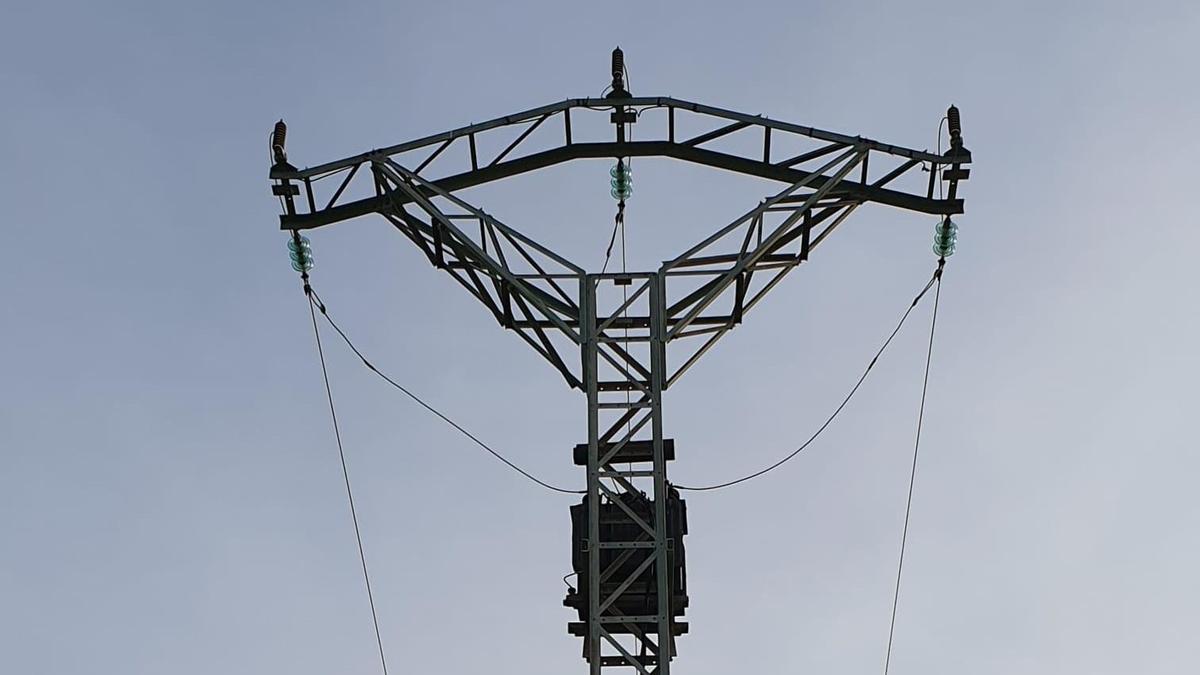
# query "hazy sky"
(170, 495)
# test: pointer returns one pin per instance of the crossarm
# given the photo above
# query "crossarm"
(558, 133)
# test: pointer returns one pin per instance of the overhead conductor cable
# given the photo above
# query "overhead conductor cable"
(300, 251)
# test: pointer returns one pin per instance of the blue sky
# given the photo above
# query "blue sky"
(170, 497)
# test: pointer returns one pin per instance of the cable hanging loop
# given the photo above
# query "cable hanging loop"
(935, 279)
(421, 402)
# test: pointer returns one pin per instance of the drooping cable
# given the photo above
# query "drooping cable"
(618, 224)
(370, 366)
(912, 478)
(718, 486)
(346, 475)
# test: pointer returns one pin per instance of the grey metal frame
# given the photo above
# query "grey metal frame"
(622, 323)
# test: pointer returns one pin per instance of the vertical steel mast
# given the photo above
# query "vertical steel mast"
(627, 532)
(634, 579)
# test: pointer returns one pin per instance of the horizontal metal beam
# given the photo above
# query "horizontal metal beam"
(635, 102)
(540, 160)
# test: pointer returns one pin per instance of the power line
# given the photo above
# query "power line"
(618, 223)
(316, 299)
(319, 304)
(912, 478)
(936, 277)
(346, 475)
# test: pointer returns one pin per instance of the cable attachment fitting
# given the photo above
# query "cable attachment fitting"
(622, 181)
(945, 238)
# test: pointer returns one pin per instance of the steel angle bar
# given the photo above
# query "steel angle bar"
(525, 134)
(414, 233)
(640, 103)
(548, 350)
(345, 182)
(612, 350)
(487, 232)
(540, 299)
(501, 166)
(642, 638)
(751, 302)
(717, 133)
(658, 366)
(924, 203)
(620, 589)
(433, 155)
(615, 498)
(811, 155)
(617, 447)
(736, 269)
(638, 618)
(624, 370)
(436, 189)
(473, 284)
(624, 355)
(702, 291)
(801, 130)
(624, 652)
(623, 482)
(479, 259)
(822, 213)
(617, 473)
(768, 265)
(694, 332)
(590, 366)
(830, 228)
(617, 425)
(821, 237)
(757, 211)
(622, 406)
(756, 226)
(541, 275)
(626, 545)
(549, 353)
(641, 289)
(895, 173)
(624, 339)
(451, 135)
(614, 567)
(626, 365)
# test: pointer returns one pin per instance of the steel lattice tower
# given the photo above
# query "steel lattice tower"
(633, 539)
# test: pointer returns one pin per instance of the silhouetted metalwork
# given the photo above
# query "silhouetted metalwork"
(622, 323)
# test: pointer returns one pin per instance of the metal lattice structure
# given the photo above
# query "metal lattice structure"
(623, 325)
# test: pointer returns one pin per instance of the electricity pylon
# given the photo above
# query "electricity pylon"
(628, 547)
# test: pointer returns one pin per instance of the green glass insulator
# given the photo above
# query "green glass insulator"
(622, 181)
(302, 264)
(945, 238)
(620, 169)
(300, 252)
